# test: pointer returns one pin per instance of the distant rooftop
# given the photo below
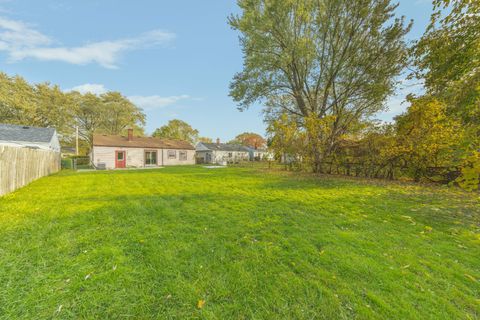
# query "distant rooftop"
(11, 132)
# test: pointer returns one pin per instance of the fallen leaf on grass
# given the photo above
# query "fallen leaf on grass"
(59, 309)
(406, 266)
(470, 277)
(200, 304)
(87, 276)
(322, 252)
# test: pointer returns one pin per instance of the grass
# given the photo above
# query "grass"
(150, 244)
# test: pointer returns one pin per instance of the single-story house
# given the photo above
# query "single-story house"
(29, 137)
(259, 154)
(111, 152)
(221, 153)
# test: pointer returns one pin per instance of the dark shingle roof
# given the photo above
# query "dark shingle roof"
(225, 147)
(140, 142)
(257, 150)
(10, 132)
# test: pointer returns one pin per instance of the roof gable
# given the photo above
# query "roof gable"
(10, 132)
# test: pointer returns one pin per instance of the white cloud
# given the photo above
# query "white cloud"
(16, 34)
(21, 41)
(89, 88)
(155, 101)
(145, 102)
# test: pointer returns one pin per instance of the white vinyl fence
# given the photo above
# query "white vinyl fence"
(20, 166)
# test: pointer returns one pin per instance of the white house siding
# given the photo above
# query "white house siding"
(176, 161)
(136, 157)
(53, 145)
(202, 155)
(222, 156)
(260, 155)
(24, 144)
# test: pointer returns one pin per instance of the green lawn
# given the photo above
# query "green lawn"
(150, 244)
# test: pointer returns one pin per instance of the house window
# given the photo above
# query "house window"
(230, 154)
(182, 155)
(150, 158)
(172, 154)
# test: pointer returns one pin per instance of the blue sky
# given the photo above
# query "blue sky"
(175, 59)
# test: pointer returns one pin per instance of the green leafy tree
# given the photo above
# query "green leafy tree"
(446, 56)
(332, 59)
(177, 129)
(109, 113)
(40, 105)
(54, 108)
(118, 113)
(45, 105)
(205, 139)
(16, 100)
(470, 172)
(286, 139)
(427, 137)
(250, 139)
(88, 115)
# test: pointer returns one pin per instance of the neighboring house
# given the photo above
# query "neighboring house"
(221, 153)
(259, 154)
(112, 152)
(29, 137)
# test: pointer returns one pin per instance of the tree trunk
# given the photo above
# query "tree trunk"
(317, 162)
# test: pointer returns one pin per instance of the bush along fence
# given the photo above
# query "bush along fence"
(467, 177)
(20, 166)
(77, 162)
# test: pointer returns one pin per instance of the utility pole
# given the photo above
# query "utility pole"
(76, 140)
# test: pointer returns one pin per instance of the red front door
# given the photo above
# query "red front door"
(120, 159)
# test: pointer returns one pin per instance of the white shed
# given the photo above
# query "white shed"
(29, 137)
